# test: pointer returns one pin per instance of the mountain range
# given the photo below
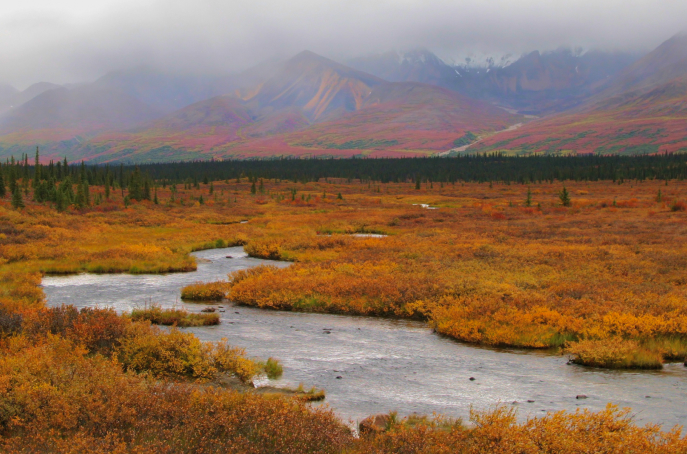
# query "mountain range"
(392, 104)
(641, 110)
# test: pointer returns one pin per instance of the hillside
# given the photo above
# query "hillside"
(665, 63)
(11, 98)
(631, 123)
(649, 118)
(318, 86)
(61, 119)
(310, 106)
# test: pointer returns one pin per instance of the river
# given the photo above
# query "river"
(373, 365)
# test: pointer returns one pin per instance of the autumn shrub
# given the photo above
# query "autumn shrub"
(365, 288)
(10, 323)
(678, 205)
(233, 359)
(205, 291)
(54, 397)
(98, 330)
(609, 431)
(273, 369)
(671, 348)
(176, 354)
(240, 275)
(613, 353)
(177, 317)
(265, 249)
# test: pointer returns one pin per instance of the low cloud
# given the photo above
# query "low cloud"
(76, 40)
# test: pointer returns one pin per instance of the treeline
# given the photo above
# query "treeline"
(491, 168)
(52, 182)
(67, 184)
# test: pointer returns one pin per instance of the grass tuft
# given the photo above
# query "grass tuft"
(173, 317)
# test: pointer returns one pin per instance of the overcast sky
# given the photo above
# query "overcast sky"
(79, 40)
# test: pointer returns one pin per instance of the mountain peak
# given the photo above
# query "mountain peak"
(317, 85)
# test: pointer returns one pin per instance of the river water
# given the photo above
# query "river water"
(371, 365)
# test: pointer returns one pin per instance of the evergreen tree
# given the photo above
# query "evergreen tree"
(12, 180)
(67, 191)
(252, 188)
(212, 188)
(417, 184)
(565, 197)
(86, 193)
(135, 185)
(17, 200)
(528, 200)
(121, 177)
(146, 189)
(155, 201)
(262, 187)
(3, 191)
(60, 201)
(37, 170)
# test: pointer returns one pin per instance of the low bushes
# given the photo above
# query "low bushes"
(177, 317)
(205, 291)
(609, 431)
(55, 397)
(613, 353)
(273, 369)
(178, 354)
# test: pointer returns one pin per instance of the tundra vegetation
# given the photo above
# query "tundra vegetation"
(597, 274)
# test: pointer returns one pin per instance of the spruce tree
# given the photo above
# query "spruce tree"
(528, 201)
(86, 195)
(252, 188)
(565, 197)
(37, 170)
(17, 200)
(3, 191)
(146, 189)
(135, 186)
(60, 201)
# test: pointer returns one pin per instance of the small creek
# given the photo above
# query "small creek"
(385, 364)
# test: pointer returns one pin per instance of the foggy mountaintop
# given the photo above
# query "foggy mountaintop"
(76, 41)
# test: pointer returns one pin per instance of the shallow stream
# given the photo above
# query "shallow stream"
(387, 365)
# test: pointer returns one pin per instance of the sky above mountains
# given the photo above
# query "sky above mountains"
(78, 40)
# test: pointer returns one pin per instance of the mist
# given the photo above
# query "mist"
(75, 40)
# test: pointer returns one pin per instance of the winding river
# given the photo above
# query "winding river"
(371, 365)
